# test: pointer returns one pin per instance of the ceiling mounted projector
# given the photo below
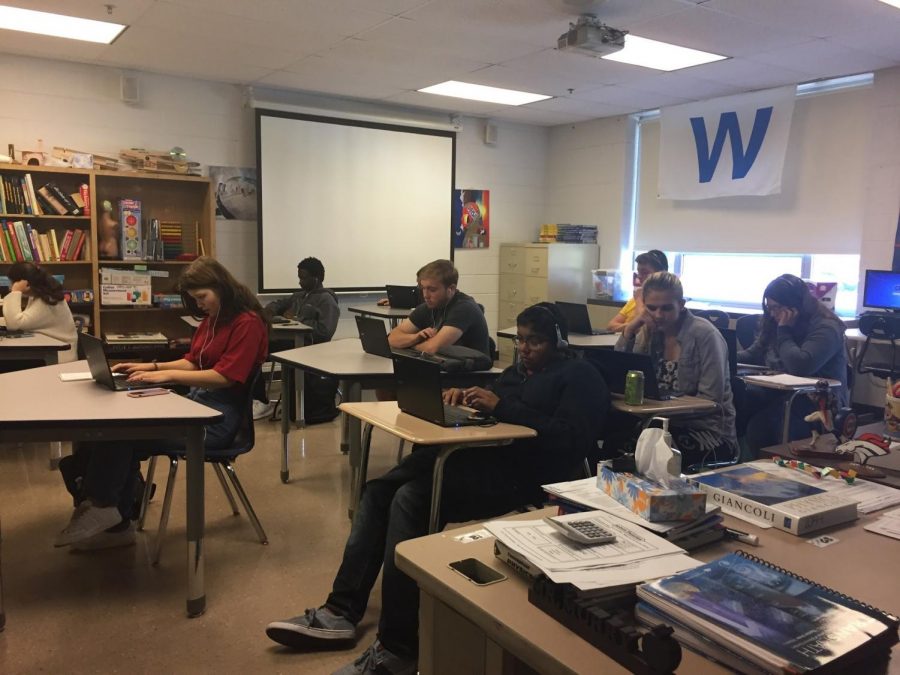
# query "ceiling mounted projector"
(591, 36)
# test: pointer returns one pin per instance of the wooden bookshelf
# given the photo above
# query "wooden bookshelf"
(166, 197)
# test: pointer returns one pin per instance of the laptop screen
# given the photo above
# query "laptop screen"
(96, 358)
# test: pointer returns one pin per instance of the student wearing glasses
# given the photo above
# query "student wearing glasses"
(647, 263)
(690, 357)
(800, 336)
(562, 397)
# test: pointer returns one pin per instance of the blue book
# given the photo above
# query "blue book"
(772, 618)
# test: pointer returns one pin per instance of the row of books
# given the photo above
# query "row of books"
(21, 242)
(568, 234)
(19, 196)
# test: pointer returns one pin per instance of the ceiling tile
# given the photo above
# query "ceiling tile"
(14, 42)
(680, 83)
(633, 99)
(883, 41)
(748, 75)
(821, 58)
(707, 30)
(581, 107)
(546, 118)
(446, 103)
(575, 70)
(124, 11)
(323, 83)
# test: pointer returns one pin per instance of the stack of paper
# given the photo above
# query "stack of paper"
(635, 556)
(888, 524)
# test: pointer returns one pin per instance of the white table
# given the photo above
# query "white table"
(392, 314)
(85, 411)
(35, 346)
(385, 415)
(576, 340)
(791, 391)
(346, 361)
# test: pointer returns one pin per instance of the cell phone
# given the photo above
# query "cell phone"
(155, 391)
(477, 572)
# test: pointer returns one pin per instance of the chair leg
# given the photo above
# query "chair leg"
(167, 505)
(587, 468)
(148, 488)
(251, 514)
(218, 469)
(400, 450)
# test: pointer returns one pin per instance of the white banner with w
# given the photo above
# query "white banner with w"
(696, 162)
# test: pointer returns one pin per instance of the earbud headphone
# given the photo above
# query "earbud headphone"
(208, 339)
(560, 342)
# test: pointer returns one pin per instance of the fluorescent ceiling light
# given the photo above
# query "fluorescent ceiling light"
(640, 51)
(892, 3)
(58, 25)
(479, 92)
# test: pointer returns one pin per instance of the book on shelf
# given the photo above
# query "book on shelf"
(762, 497)
(32, 198)
(22, 237)
(756, 617)
(136, 338)
(71, 208)
(56, 207)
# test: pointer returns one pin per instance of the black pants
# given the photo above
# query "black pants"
(394, 508)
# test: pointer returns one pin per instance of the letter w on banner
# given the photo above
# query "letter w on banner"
(726, 146)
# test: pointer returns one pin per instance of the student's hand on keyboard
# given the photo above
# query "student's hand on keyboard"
(453, 396)
(480, 399)
(130, 368)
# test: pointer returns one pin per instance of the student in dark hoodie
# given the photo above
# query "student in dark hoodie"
(798, 335)
(563, 398)
(317, 307)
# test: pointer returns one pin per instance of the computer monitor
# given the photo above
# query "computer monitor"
(882, 290)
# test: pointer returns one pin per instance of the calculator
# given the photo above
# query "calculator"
(587, 531)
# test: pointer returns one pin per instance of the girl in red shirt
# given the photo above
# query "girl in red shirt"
(227, 349)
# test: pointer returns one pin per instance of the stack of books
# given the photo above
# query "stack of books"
(136, 338)
(168, 300)
(22, 242)
(754, 617)
(568, 234)
(18, 196)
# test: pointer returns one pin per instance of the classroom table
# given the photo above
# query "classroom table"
(393, 314)
(346, 361)
(300, 333)
(464, 628)
(387, 416)
(680, 405)
(34, 346)
(576, 340)
(85, 411)
(790, 392)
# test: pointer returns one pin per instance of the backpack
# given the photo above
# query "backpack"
(458, 359)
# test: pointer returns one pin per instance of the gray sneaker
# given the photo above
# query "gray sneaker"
(120, 535)
(314, 626)
(377, 660)
(87, 521)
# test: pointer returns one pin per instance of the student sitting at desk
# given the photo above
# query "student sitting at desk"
(800, 336)
(448, 316)
(563, 398)
(228, 346)
(690, 357)
(45, 311)
(647, 263)
(317, 307)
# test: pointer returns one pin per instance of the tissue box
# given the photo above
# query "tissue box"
(649, 499)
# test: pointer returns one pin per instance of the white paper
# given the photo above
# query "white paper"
(889, 527)
(634, 573)
(74, 377)
(783, 379)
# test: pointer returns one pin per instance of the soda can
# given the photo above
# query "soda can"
(634, 387)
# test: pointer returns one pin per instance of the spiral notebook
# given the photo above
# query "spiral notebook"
(767, 618)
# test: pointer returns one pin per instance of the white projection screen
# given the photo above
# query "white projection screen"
(371, 201)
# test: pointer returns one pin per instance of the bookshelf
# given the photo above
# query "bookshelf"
(167, 197)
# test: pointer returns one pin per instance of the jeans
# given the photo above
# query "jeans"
(765, 410)
(478, 483)
(109, 469)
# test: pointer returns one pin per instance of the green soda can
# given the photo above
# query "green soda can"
(634, 387)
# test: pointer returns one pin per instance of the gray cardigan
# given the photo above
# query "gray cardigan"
(317, 308)
(702, 370)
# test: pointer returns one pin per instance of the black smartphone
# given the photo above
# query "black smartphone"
(477, 572)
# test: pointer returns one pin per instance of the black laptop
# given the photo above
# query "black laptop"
(100, 370)
(374, 338)
(614, 366)
(403, 297)
(578, 320)
(419, 394)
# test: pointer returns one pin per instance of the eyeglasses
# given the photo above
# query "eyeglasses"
(663, 308)
(533, 341)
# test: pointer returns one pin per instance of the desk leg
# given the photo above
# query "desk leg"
(287, 404)
(395, 321)
(2, 611)
(51, 358)
(437, 484)
(786, 422)
(363, 470)
(345, 419)
(196, 596)
(354, 439)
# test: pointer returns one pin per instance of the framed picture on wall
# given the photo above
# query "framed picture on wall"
(471, 219)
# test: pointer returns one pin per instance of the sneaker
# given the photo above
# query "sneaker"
(87, 521)
(262, 410)
(314, 625)
(120, 535)
(377, 660)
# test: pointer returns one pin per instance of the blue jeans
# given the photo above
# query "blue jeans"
(478, 483)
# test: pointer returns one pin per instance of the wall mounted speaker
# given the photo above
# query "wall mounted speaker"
(129, 90)
(490, 134)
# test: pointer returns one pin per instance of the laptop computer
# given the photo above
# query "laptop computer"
(403, 297)
(614, 366)
(100, 370)
(578, 320)
(419, 394)
(374, 339)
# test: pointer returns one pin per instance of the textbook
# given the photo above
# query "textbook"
(765, 498)
(777, 621)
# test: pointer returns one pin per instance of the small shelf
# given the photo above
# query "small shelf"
(37, 217)
(174, 263)
(51, 262)
(126, 310)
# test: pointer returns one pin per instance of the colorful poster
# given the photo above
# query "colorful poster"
(471, 218)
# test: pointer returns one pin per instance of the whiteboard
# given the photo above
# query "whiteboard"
(371, 201)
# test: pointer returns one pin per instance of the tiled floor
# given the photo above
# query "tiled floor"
(111, 611)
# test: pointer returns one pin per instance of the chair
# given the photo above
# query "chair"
(746, 329)
(223, 463)
(717, 318)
